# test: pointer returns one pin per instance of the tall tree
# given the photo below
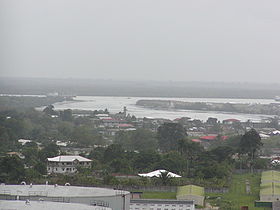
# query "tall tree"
(112, 152)
(250, 143)
(140, 139)
(169, 134)
(49, 110)
(11, 170)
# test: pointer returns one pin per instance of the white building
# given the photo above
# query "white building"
(67, 164)
(161, 204)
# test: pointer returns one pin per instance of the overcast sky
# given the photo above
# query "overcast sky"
(187, 40)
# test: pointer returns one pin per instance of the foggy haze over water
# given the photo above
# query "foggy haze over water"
(190, 40)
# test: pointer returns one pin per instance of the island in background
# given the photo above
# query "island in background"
(265, 109)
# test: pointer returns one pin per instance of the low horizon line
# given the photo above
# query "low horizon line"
(141, 80)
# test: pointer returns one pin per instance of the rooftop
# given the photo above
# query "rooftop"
(190, 190)
(44, 205)
(231, 120)
(58, 191)
(270, 183)
(270, 176)
(68, 158)
(214, 137)
(157, 173)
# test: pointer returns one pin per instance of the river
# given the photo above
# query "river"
(116, 104)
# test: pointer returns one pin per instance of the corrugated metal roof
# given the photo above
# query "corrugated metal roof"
(157, 173)
(68, 158)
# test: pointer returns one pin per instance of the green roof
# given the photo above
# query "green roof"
(190, 190)
(271, 176)
(270, 183)
(270, 188)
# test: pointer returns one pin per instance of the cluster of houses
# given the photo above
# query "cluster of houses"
(109, 124)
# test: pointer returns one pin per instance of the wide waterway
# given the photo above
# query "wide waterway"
(116, 104)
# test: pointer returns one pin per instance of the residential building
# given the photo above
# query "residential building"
(67, 164)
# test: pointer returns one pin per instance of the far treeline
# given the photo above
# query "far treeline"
(129, 152)
(265, 109)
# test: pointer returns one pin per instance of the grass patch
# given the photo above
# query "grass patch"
(237, 196)
(159, 195)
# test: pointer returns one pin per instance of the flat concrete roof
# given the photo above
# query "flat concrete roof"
(58, 191)
(44, 205)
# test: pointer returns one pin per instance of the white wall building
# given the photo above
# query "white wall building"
(161, 204)
(67, 164)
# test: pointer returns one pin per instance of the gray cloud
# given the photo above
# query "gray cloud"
(185, 40)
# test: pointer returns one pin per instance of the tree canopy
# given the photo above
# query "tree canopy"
(169, 134)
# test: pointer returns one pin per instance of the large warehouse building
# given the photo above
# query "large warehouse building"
(114, 199)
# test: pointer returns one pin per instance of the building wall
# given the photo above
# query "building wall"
(65, 167)
(154, 206)
(198, 200)
(269, 197)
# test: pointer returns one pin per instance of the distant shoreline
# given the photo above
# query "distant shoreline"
(90, 87)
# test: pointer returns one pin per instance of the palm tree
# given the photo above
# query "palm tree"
(164, 177)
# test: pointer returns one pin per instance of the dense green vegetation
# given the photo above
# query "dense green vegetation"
(131, 152)
(12, 102)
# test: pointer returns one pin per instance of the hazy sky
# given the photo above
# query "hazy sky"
(187, 40)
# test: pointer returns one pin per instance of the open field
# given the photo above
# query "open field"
(237, 196)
